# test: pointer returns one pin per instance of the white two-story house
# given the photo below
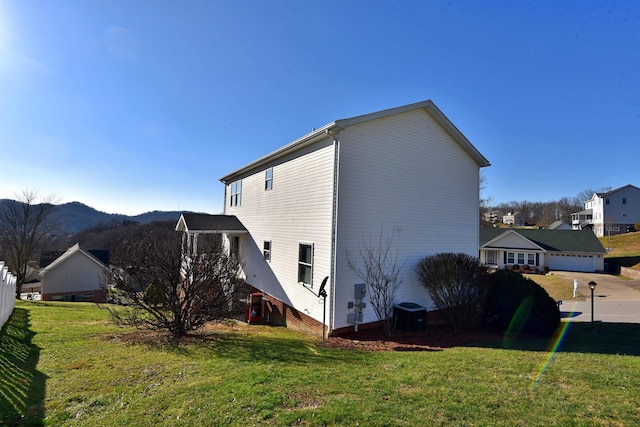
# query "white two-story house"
(406, 173)
(613, 212)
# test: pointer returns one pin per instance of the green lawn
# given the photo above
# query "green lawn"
(65, 364)
(557, 287)
(623, 249)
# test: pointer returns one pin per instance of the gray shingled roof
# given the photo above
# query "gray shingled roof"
(556, 224)
(583, 241)
(211, 223)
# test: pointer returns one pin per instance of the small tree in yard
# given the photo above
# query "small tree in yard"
(457, 286)
(155, 286)
(377, 265)
(25, 225)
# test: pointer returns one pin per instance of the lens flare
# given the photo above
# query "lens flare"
(555, 346)
(517, 322)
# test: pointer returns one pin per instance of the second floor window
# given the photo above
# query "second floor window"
(236, 193)
(624, 200)
(268, 179)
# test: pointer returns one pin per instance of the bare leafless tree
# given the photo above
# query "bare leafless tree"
(377, 265)
(25, 225)
(153, 285)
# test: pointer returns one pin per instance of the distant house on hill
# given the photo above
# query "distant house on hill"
(492, 216)
(76, 275)
(613, 212)
(513, 218)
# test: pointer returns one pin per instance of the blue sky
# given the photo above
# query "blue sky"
(131, 106)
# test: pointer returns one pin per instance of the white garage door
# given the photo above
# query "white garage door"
(571, 262)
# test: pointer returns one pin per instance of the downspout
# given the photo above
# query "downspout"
(334, 225)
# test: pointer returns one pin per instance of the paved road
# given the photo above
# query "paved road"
(615, 300)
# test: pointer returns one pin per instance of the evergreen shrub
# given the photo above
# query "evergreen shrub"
(517, 304)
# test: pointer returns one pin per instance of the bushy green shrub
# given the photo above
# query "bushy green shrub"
(455, 282)
(517, 304)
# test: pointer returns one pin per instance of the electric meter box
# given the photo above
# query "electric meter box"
(359, 290)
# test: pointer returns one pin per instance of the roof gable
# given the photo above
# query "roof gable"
(75, 249)
(512, 240)
(615, 190)
(338, 125)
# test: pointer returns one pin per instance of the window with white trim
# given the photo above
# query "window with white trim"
(305, 263)
(268, 179)
(531, 259)
(236, 193)
(266, 250)
(511, 258)
(520, 258)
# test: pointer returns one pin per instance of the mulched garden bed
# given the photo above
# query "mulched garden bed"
(435, 338)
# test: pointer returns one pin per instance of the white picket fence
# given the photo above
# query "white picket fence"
(7, 293)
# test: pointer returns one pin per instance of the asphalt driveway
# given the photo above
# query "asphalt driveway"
(615, 300)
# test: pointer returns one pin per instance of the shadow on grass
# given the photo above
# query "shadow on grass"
(624, 261)
(22, 387)
(267, 344)
(578, 337)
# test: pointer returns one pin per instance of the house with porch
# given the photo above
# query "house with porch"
(397, 173)
(514, 218)
(541, 249)
(611, 212)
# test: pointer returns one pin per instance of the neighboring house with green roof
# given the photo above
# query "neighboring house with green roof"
(553, 249)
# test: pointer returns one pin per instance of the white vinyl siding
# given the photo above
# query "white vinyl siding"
(298, 209)
(406, 175)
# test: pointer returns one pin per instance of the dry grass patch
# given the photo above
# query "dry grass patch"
(557, 287)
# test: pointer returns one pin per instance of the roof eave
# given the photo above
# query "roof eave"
(307, 139)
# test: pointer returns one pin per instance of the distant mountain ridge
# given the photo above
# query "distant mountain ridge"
(75, 216)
